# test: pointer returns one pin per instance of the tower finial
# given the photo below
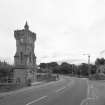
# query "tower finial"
(26, 27)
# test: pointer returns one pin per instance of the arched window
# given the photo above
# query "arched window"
(21, 56)
(30, 57)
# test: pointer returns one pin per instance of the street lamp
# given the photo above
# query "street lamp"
(89, 73)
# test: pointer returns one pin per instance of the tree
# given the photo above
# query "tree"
(54, 67)
(43, 65)
(100, 61)
(65, 68)
(6, 70)
(83, 69)
(93, 68)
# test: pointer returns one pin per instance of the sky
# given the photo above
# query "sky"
(66, 29)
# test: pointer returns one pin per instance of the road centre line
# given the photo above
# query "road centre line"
(36, 100)
(60, 89)
(84, 101)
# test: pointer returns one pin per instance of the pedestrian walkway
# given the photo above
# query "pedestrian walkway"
(30, 87)
(99, 90)
(20, 90)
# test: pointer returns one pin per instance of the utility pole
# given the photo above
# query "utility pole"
(72, 69)
(89, 72)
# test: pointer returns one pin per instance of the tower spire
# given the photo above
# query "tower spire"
(26, 27)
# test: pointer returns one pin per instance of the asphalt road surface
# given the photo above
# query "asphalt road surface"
(67, 91)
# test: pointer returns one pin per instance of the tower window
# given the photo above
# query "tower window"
(21, 56)
(30, 56)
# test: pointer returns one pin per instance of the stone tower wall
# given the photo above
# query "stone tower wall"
(24, 59)
(25, 47)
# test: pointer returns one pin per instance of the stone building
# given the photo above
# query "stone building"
(24, 59)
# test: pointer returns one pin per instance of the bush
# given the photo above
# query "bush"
(100, 76)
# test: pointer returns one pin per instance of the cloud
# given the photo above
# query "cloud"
(63, 27)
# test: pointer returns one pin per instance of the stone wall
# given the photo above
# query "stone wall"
(20, 76)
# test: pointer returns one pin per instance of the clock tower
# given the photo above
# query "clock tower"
(24, 59)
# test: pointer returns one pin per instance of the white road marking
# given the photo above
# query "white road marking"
(36, 100)
(60, 89)
(87, 101)
(84, 102)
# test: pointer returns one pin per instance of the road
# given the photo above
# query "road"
(67, 91)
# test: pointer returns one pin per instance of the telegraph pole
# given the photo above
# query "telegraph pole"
(89, 72)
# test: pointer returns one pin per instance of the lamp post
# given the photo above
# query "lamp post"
(89, 72)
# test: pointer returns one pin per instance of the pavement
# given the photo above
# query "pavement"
(66, 91)
(96, 95)
(27, 88)
(21, 89)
